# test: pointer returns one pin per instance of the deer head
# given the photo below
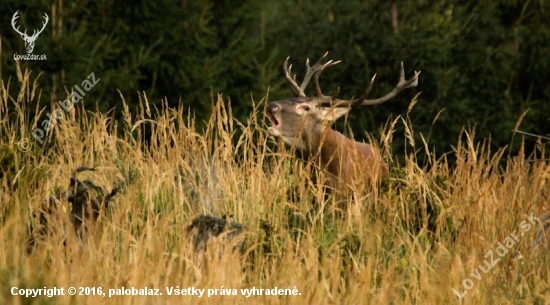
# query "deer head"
(29, 40)
(304, 123)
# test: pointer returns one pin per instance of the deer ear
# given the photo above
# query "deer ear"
(334, 113)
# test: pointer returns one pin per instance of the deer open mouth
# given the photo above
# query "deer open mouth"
(274, 129)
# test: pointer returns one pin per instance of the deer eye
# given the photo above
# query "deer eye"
(306, 108)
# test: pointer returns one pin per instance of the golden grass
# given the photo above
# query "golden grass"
(409, 241)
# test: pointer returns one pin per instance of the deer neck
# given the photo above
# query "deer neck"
(326, 149)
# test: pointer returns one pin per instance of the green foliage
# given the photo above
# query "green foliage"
(7, 162)
(483, 62)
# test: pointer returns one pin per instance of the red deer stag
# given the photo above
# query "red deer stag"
(304, 124)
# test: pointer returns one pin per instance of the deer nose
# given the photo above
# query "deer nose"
(272, 108)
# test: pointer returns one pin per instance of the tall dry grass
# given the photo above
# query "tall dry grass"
(411, 240)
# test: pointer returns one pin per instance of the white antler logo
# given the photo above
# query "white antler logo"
(29, 40)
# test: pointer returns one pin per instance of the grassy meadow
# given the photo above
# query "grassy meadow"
(410, 239)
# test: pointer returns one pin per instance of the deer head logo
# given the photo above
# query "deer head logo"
(29, 40)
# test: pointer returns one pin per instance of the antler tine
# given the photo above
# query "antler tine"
(311, 71)
(320, 70)
(402, 84)
(297, 91)
(13, 20)
(43, 25)
(364, 96)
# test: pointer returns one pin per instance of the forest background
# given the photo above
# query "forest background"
(483, 63)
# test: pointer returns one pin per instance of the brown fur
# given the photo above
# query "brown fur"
(304, 124)
(344, 161)
(348, 161)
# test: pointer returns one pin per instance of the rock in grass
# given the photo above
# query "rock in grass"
(87, 200)
(204, 228)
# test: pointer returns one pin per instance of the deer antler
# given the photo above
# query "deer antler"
(43, 26)
(316, 70)
(34, 33)
(402, 84)
(15, 16)
(293, 86)
(320, 70)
